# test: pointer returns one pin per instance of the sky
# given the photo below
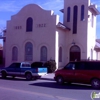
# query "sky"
(11, 7)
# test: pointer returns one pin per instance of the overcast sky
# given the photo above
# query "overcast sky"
(11, 7)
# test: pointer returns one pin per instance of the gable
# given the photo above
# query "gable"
(33, 10)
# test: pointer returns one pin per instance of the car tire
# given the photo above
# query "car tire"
(59, 80)
(28, 76)
(95, 83)
(68, 83)
(3, 74)
(13, 76)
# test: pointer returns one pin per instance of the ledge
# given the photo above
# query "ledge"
(62, 10)
(93, 8)
(62, 26)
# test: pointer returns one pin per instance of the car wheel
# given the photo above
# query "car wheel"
(68, 83)
(59, 80)
(3, 74)
(95, 83)
(13, 76)
(28, 76)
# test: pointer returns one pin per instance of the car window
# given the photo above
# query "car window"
(87, 65)
(17, 65)
(80, 65)
(70, 66)
(97, 65)
(13, 65)
(93, 66)
(26, 65)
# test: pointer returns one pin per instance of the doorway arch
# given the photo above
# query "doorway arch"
(75, 53)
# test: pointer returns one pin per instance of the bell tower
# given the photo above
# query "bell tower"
(75, 13)
(80, 17)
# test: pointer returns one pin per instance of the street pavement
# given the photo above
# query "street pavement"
(42, 89)
(14, 92)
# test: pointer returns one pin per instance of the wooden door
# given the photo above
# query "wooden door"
(75, 53)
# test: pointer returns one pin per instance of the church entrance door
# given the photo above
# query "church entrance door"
(75, 53)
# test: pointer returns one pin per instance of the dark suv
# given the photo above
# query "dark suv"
(87, 72)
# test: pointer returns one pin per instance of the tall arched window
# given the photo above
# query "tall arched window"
(29, 24)
(75, 13)
(60, 54)
(68, 14)
(82, 12)
(28, 51)
(43, 53)
(14, 53)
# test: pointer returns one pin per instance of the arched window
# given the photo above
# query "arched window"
(43, 53)
(68, 14)
(28, 51)
(75, 13)
(60, 54)
(14, 53)
(29, 24)
(75, 48)
(82, 12)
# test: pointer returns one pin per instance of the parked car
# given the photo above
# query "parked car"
(23, 69)
(87, 72)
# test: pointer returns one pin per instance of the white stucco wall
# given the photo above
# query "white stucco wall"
(91, 53)
(40, 36)
(62, 41)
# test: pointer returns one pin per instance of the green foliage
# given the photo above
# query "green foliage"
(51, 65)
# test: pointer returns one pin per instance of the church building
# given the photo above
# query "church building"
(35, 34)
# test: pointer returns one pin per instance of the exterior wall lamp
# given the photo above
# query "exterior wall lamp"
(73, 42)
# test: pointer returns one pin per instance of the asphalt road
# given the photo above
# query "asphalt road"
(42, 89)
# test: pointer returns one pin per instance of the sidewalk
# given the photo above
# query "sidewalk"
(48, 76)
